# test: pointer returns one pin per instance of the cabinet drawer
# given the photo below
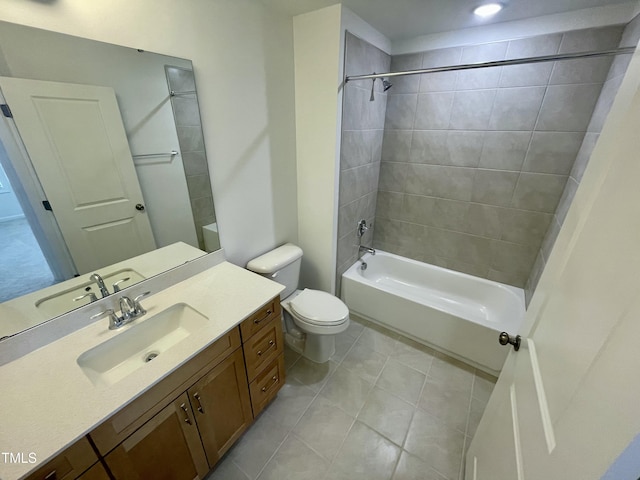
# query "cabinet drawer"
(259, 319)
(263, 347)
(134, 415)
(267, 384)
(97, 472)
(69, 464)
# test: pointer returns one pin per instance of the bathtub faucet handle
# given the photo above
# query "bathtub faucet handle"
(362, 227)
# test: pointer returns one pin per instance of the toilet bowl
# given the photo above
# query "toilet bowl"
(312, 318)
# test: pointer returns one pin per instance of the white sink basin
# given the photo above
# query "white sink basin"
(62, 302)
(122, 355)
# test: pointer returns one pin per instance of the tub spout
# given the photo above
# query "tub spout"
(370, 250)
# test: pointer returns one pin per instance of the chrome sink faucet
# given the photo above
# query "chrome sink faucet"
(129, 311)
(103, 288)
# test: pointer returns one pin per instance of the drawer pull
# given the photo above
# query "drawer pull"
(274, 380)
(199, 407)
(186, 414)
(52, 476)
(271, 344)
(257, 321)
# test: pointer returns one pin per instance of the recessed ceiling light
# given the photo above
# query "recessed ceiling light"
(488, 9)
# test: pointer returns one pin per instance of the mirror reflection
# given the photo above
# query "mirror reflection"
(103, 170)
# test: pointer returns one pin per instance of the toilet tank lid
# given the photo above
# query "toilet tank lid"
(276, 259)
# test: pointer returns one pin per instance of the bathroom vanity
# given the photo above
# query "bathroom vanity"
(172, 414)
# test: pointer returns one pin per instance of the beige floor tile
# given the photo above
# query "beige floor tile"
(364, 362)
(356, 326)
(346, 390)
(411, 467)
(295, 461)
(313, 375)
(413, 354)
(483, 385)
(475, 414)
(402, 381)
(388, 415)
(448, 400)
(324, 427)
(383, 342)
(437, 444)
(290, 357)
(365, 455)
(292, 401)
(257, 445)
(344, 342)
(227, 470)
(451, 371)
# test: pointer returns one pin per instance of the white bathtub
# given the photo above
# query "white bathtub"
(450, 311)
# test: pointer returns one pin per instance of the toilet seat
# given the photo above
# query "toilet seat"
(319, 308)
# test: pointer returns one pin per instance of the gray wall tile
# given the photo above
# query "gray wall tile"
(586, 149)
(584, 70)
(190, 139)
(396, 145)
(550, 238)
(516, 108)
(553, 152)
(504, 150)
(565, 201)
(494, 187)
(605, 38)
(429, 146)
(401, 111)
(356, 148)
(538, 192)
(474, 164)
(472, 110)
(604, 104)
(186, 111)
(568, 107)
(410, 83)
(195, 163)
(433, 111)
(444, 81)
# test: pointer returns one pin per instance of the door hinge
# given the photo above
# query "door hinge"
(47, 205)
(6, 110)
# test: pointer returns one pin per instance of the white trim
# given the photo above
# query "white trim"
(561, 22)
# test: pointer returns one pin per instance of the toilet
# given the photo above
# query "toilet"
(311, 318)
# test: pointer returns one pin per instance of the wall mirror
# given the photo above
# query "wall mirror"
(102, 170)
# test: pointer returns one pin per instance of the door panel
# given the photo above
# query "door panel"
(221, 402)
(573, 384)
(167, 447)
(78, 147)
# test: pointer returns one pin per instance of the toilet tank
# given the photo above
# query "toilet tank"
(281, 265)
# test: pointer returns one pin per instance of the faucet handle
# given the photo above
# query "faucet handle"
(116, 285)
(114, 320)
(137, 308)
(92, 297)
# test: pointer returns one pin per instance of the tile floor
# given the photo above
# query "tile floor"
(384, 407)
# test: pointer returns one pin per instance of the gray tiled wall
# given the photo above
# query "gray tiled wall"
(630, 38)
(362, 131)
(474, 163)
(191, 140)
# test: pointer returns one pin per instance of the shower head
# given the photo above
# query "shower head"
(386, 85)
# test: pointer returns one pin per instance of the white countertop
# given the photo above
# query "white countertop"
(47, 401)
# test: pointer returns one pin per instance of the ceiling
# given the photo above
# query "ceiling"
(399, 19)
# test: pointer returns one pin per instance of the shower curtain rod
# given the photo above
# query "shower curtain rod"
(497, 63)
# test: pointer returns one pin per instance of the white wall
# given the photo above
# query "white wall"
(319, 38)
(243, 61)
(317, 79)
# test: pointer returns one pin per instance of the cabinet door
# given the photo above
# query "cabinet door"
(167, 447)
(68, 464)
(222, 407)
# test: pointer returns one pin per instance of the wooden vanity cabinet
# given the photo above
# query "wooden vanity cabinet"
(166, 447)
(97, 472)
(181, 427)
(69, 464)
(222, 406)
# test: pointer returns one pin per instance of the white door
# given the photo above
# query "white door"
(568, 402)
(78, 147)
